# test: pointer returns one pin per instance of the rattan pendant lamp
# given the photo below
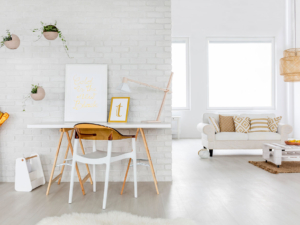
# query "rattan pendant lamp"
(290, 63)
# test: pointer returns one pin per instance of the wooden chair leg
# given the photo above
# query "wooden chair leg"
(66, 155)
(78, 173)
(54, 164)
(87, 166)
(149, 159)
(125, 178)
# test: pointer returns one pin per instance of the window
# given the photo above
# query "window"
(241, 73)
(180, 82)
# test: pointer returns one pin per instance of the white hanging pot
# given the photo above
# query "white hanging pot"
(50, 35)
(14, 43)
(40, 95)
(203, 154)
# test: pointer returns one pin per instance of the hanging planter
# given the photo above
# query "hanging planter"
(11, 41)
(37, 93)
(51, 32)
(50, 35)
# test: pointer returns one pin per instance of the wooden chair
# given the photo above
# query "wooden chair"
(95, 132)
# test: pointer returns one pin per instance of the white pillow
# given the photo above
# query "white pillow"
(213, 121)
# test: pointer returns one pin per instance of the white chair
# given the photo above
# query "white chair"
(98, 132)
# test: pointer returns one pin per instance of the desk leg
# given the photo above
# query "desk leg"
(136, 136)
(66, 155)
(149, 159)
(51, 180)
(54, 164)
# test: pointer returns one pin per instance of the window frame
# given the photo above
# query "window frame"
(244, 40)
(185, 40)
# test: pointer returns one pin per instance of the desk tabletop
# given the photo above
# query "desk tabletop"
(112, 125)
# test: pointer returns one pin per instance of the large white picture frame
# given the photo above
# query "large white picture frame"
(86, 93)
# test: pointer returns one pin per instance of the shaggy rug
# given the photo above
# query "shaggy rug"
(110, 218)
(286, 167)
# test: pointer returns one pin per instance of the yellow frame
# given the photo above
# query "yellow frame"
(111, 103)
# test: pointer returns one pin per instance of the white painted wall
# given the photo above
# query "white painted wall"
(224, 18)
(133, 37)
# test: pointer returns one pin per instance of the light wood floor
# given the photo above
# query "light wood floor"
(225, 189)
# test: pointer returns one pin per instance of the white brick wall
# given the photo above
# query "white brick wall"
(132, 37)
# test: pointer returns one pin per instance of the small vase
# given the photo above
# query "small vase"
(40, 95)
(51, 35)
(14, 43)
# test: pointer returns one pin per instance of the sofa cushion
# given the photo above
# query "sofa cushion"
(215, 116)
(253, 116)
(231, 136)
(259, 125)
(213, 122)
(242, 124)
(226, 123)
(273, 123)
(263, 136)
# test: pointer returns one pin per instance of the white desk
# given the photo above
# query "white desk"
(66, 127)
(112, 125)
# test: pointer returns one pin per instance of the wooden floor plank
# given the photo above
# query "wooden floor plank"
(225, 189)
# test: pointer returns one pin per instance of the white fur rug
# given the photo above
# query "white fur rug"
(110, 218)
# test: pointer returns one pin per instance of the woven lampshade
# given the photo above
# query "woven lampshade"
(290, 65)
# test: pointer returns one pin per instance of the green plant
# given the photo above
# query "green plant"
(34, 88)
(52, 28)
(5, 38)
(26, 97)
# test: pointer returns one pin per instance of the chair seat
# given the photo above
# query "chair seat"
(100, 154)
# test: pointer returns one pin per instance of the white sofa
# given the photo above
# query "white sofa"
(233, 140)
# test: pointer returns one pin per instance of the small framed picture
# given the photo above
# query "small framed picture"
(119, 109)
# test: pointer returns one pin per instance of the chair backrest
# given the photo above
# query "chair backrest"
(90, 131)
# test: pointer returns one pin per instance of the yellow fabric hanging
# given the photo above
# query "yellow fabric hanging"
(3, 118)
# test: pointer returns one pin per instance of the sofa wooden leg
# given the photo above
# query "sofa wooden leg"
(211, 152)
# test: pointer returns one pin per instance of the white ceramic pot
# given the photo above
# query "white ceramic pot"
(51, 35)
(40, 95)
(14, 43)
(203, 153)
